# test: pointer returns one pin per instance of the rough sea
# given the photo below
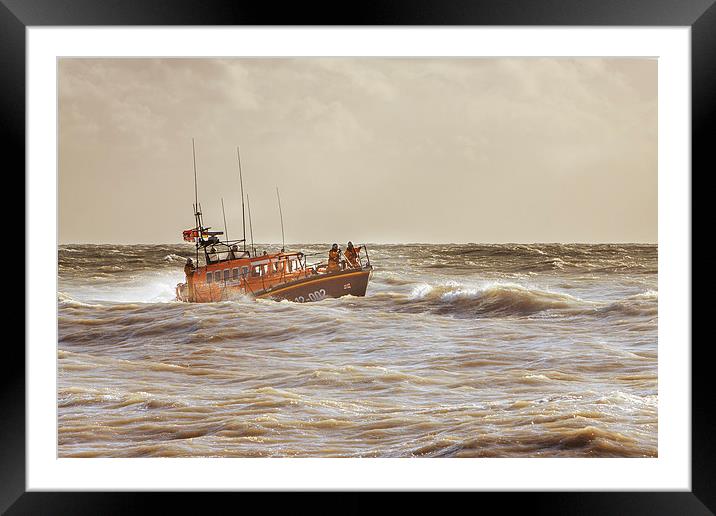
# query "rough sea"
(540, 350)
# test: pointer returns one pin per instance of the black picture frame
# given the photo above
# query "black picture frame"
(700, 15)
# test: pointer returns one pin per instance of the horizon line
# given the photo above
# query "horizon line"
(615, 242)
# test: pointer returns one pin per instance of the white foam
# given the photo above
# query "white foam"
(156, 287)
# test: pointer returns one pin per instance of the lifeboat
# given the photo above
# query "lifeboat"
(283, 275)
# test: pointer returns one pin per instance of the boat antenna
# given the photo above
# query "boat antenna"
(283, 240)
(241, 182)
(196, 188)
(251, 228)
(226, 230)
(197, 209)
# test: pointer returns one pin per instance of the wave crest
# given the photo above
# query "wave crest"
(497, 299)
(646, 303)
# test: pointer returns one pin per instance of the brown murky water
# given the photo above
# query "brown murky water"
(456, 351)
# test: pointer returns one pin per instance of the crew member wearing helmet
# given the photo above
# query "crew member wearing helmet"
(233, 253)
(351, 255)
(333, 258)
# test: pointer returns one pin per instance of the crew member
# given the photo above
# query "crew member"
(334, 256)
(189, 271)
(212, 256)
(351, 255)
(234, 253)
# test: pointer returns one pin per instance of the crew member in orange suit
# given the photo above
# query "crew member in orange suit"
(351, 255)
(334, 256)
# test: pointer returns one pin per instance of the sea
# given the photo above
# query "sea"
(457, 350)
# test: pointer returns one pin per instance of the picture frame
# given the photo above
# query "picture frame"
(17, 15)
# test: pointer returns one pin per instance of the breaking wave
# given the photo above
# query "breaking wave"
(501, 299)
(496, 299)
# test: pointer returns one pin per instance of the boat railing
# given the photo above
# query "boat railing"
(304, 268)
(225, 248)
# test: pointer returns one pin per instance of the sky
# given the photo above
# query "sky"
(485, 150)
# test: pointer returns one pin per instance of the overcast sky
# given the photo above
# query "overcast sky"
(369, 150)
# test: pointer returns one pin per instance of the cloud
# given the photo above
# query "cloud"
(454, 139)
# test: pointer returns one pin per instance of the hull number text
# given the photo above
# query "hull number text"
(313, 296)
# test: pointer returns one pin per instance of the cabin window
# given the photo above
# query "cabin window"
(235, 273)
(290, 265)
(217, 276)
(244, 271)
(256, 271)
(227, 274)
(209, 277)
(266, 269)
